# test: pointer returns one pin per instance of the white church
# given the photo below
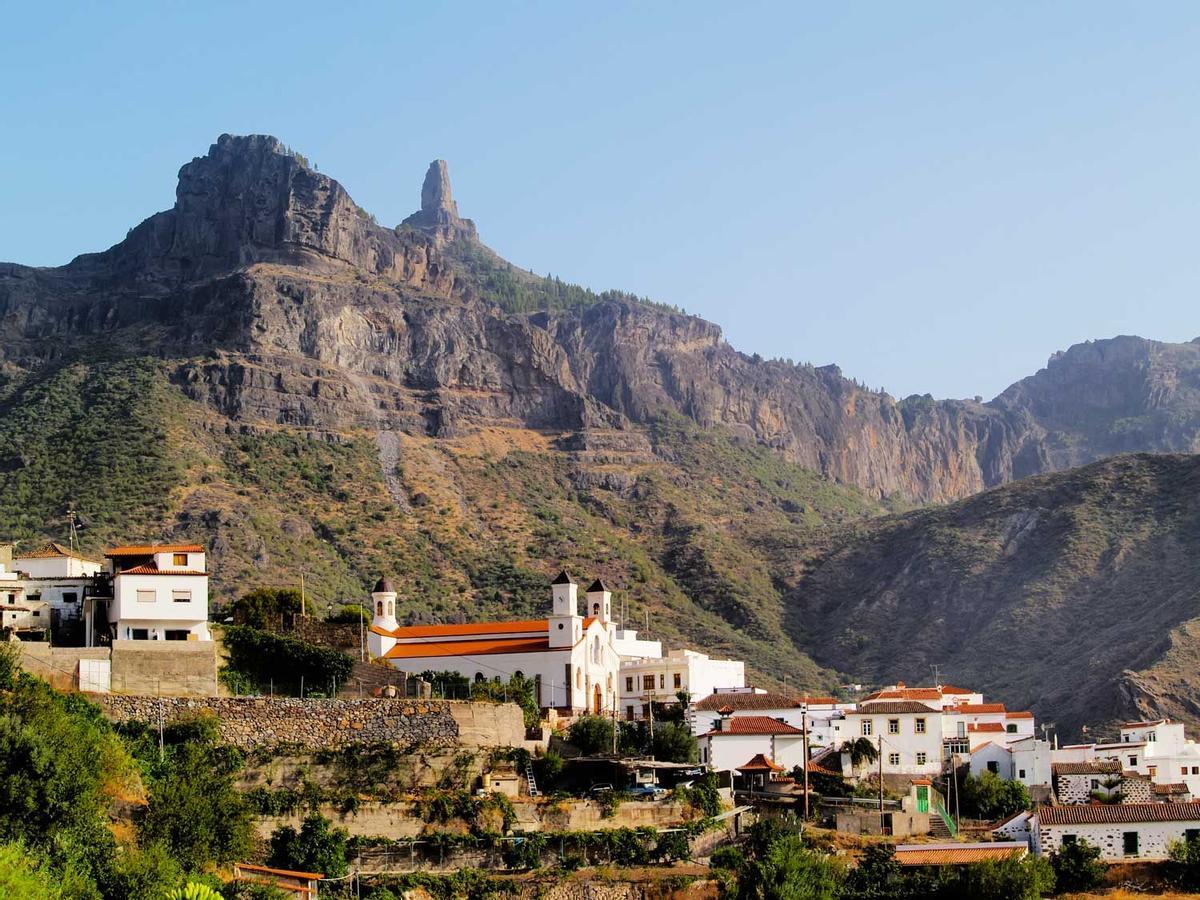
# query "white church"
(573, 659)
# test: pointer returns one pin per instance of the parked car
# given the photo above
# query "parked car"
(600, 789)
(650, 791)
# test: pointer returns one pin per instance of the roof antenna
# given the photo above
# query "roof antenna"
(937, 680)
(74, 531)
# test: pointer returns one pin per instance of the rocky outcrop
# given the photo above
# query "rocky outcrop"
(288, 304)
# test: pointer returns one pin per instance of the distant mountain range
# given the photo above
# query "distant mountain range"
(266, 368)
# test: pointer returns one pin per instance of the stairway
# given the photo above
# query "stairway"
(533, 788)
(938, 828)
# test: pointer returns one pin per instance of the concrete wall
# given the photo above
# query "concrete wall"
(489, 724)
(1153, 838)
(57, 665)
(253, 722)
(167, 668)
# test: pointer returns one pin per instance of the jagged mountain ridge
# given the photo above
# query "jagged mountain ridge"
(311, 314)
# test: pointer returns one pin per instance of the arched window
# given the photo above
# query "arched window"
(392, 608)
(496, 678)
(379, 608)
(596, 650)
(595, 609)
(479, 679)
(578, 677)
(519, 674)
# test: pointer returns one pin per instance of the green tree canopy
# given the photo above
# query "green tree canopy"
(591, 734)
(316, 847)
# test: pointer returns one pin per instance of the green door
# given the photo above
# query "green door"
(922, 798)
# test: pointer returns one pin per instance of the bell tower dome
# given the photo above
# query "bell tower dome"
(599, 602)
(565, 624)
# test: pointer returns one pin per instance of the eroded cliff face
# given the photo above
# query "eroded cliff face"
(287, 304)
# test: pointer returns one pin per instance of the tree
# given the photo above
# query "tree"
(860, 750)
(791, 871)
(1183, 867)
(194, 808)
(1027, 878)
(315, 848)
(877, 874)
(194, 890)
(22, 874)
(267, 607)
(991, 797)
(1077, 867)
(674, 742)
(591, 735)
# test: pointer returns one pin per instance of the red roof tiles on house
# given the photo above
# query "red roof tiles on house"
(148, 549)
(1119, 813)
(155, 570)
(977, 708)
(470, 628)
(985, 726)
(53, 551)
(956, 854)
(1094, 767)
(879, 707)
(754, 725)
(739, 700)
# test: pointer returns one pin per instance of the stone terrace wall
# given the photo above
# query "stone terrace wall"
(253, 722)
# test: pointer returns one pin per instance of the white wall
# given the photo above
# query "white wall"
(992, 753)
(162, 612)
(907, 742)
(1153, 838)
(728, 751)
(56, 567)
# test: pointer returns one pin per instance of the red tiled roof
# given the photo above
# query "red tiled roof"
(147, 549)
(1119, 813)
(155, 570)
(1023, 714)
(951, 689)
(817, 769)
(470, 628)
(1095, 767)
(1146, 724)
(483, 647)
(759, 763)
(877, 707)
(973, 708)
(738, 700)
(53, 551)
(952, 854)
(904, 693)
(821, 701)
(755, 725)
(985, 726)
(1177, 788)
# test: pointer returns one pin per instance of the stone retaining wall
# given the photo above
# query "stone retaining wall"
(253, 722)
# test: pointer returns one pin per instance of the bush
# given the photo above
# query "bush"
(285, 661)
(591, 735)
(349, 615)
(266, 608)
(704, 795)
(731, 858)
(1008, 879)
(1183, 866)
(316, 847)
(793, 872)
(672, 846)
(1077, 867)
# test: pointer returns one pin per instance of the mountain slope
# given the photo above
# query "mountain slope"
(266, 368)
(1076, 594)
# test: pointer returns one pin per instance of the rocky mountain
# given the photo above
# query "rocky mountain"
(265, 367)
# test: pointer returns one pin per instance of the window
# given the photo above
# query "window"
(70, 597)
(1150, 736)
(993, 766)
(12, 598)
(1130, 841)
(139, 634)
(921, 757)
(379, 609)
(893, 759)
(866, 727)
(1192, 834)
(1021, 774)
(1152, 771)
(1095, 784)
(893, 726)
(662, 679)
(145, 596)
(181, 596)
(647, 682)
(678, 679)
(1068, 839)
(176, 634)
(36, 613)
(179, 559)
(919, 726)
(629, 713)
(479, 678)
(1012, 728)
(629, 685)
(1196, 770)
(1132, 761)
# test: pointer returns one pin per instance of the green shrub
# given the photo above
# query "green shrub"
(1183, 866)
(316, 847)
(284, 661)
(674, 742)
(591, 735)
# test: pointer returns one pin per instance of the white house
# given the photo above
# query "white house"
(1158, 750)
(159, 592)
(1122, 831)
(661, 679)
(58, 575)
(1031, 762)
(569, 657)
(736, 739)
(906, 733)
(18, 611)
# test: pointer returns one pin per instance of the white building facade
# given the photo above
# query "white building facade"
(906, 733)
(737, 739)
(58, 575)
(570, 657)
(662, 679)
(159, 592)
(1123, 831)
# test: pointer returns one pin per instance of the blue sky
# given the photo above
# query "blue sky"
(934, 196)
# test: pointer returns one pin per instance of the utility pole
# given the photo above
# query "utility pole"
(302, 595)
(804, 729)
(881, 783)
